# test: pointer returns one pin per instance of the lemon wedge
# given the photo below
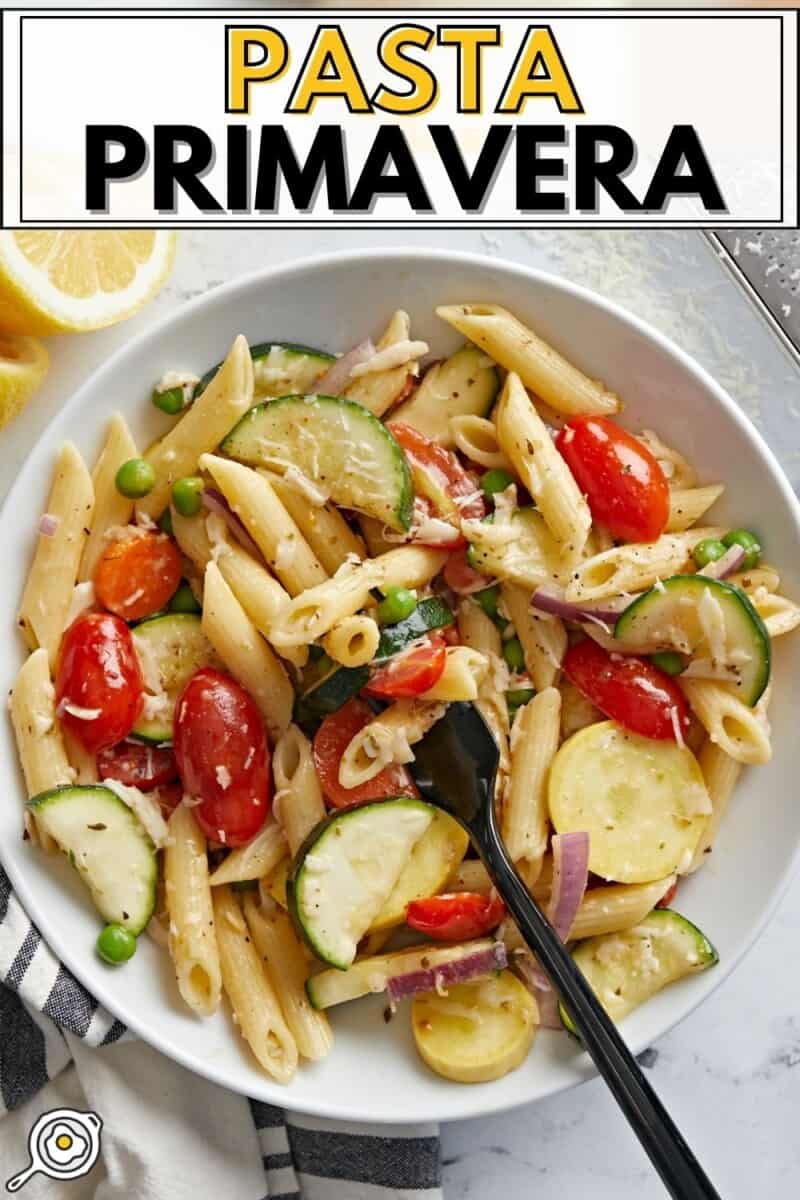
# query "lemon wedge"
(23, 366)
(69, 281)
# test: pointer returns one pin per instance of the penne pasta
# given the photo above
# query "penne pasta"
(245, 653)
(353, 641)
(576, 711)
(287, 967)
(298, 800)
(255, 859)
(721, 774)
(322, 525)
(534, 741)
(314, 612)
(476, 438)
(464, 672)
(387, 739)
(688, 505)
(82, 762)
(636, 565)
(479, 632)
(539, 366)
(255, 1005)
(380, 390)
(373, 531)
(608, 909)
(761, 576)
(51, 579)
(678, 471)
(251, 497)
(192, 936)
(525, 439)
(740, 731)
(201, 428)
(40, 744)
(543, 638)
(111, 508)
(779, 614)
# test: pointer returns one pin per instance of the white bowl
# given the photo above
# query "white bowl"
(373, 1073)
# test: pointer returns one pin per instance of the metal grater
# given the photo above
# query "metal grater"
(766, 265)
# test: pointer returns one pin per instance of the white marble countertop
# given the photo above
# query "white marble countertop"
(727, 1072)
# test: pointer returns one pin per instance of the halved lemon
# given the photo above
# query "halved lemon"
(69, 281)
(23, 366)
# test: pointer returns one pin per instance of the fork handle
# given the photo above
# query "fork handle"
(680, 1171)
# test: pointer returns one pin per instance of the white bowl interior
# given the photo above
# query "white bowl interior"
(373, 1073)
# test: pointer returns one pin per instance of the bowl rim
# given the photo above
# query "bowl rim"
(285, 273)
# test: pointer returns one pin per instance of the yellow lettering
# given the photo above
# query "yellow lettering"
(469, 42)
(539, 70)
(253, 54)
(329, 70)
(424, 90)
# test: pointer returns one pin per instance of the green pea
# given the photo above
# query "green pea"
(668, 661)
(708, 551)
(517, 697)
(473, 556)
(397, 604)
(496, 480)
(165, 522)
(513, 654)
(187, 495)
(749, 543)
(488, 599)
(184, 601)
(170, 401)
(135, 478)
(116, 944)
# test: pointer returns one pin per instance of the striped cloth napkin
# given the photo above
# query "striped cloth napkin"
(166, 1132)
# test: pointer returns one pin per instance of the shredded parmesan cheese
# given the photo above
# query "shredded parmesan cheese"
(396, 355)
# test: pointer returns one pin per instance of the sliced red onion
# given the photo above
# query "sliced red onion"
(605, 613)
(460, 970)
(731, 560)
(538, 983)
(215, 502)
(337, 376)
(48, 524)
(570, 876)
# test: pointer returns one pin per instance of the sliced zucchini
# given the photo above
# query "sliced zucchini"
(531, 558)
(465, 384)
(346, 870)
(704, 618)
(625, 969)
(279, 368)
(432, 861)
(431, 613)
(108, 847)
(643, 803)
(476, 1031)
(336, 443)
(371, 975)
(338, 686)
(170, 649)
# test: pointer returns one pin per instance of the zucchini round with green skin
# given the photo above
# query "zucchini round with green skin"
(625, 969)
(107, 845)
(333, 691)
(431, 613)
(346, 870)
(279, 368)
(337, 444)
(170, 649)
(705, 619)
(465, 384)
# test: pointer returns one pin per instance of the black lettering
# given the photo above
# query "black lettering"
(325, 160)
(171, 173)
(683, 146)
(531, 168)
(100, 171)
(591, 173)
(237, 169)
(390, 147)
(471, 189)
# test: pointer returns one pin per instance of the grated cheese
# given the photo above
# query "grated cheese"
(396, 355)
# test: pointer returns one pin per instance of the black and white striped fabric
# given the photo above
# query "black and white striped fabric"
(304, 1158)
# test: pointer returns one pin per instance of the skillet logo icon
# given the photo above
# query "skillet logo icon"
(63, 1144)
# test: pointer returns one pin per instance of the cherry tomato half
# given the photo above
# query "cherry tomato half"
(331, 741)
(439, 478)
(456, 917)
(99, 690)
(625, 487)
(630, 690)
(223, 756)
(411, 672)
(136, 576)
(169, 796)
(138, 765)
(461, 577)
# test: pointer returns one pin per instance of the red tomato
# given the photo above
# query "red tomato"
(668, 896)
(331, 741)
(629, 690)
(461, 577)
(624, 485)
(138, 765)
(169, 796)
(99, 676)
(439, 478)
(136, 576)
(456, 917)
(411, 672)
(223, 756)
